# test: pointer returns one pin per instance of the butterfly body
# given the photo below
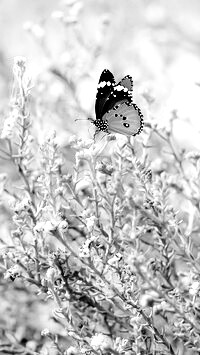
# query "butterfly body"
(115, 111)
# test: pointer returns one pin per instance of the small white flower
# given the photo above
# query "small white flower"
(85, 249)
(80, 143)
(86, 213)
(90, 223)
(83, 154)
(148, 299)
(52, 274)
(63, 225)
(9, 124)
(30, 139)
(39, 227)
(127, 228)
(22, 205)
(83, 184)
(101, 342)
(194, 288)
(115, 259)
(129, 192)
(45, 332)
(193, 155)
(13, 271)
(72, 350)
(60, 190)
(59, 15)
(50, 226)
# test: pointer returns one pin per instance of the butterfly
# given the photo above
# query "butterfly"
(114, 108)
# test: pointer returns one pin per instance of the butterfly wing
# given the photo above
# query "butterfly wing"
(121, 93)
(109, 93)
(118, 95)
(104, 89)
(115, 111)
(127, 82)
(125, 118)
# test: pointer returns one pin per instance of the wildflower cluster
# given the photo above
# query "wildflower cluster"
(106, 245)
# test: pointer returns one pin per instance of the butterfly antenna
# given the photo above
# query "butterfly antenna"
(81, 119)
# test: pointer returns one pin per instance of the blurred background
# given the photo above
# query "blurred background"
(68, 43)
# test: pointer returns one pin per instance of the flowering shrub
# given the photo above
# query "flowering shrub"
(112, 248)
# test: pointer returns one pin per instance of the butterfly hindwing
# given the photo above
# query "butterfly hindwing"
(127, 82)
(104, 89)
(125, 118)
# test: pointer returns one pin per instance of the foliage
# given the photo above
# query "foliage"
(112, 248)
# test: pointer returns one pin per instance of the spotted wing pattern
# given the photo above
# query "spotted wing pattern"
(104, 90)
(115, 111)
(125, 118)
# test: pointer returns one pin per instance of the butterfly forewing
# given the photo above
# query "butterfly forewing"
(121, 92)
(104, 89)
(119, 95)
(125, 118)
(109, 93)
